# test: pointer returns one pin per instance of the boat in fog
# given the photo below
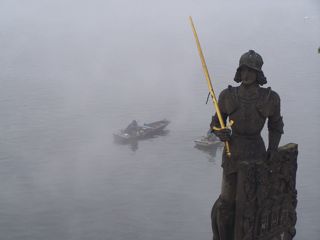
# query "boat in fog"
(135, 132)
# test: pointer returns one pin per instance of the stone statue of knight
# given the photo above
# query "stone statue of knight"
(249, 106)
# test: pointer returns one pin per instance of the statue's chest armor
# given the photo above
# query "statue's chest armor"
(247, 119)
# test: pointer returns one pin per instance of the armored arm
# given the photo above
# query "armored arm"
(223, 134)
(275, 123)
(215, 121)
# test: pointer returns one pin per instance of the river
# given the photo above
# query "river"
(74, 72)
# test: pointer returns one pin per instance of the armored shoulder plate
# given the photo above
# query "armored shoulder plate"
(228, 100)
(268, 102)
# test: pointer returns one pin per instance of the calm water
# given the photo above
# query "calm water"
(73, 72)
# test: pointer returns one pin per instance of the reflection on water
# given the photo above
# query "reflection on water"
(134, 145)
(211, 151)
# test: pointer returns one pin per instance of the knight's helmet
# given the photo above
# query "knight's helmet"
(252, 60)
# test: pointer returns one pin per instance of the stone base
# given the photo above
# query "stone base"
(267, 197)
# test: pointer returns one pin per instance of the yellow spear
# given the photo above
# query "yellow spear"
(213, 96)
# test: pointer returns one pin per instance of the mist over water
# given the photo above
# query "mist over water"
(73, 72)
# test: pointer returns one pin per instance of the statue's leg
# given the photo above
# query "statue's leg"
(223, 211)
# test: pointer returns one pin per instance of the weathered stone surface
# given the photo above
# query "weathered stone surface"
(267, 197)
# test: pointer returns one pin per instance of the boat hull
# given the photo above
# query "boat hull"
(146, 131)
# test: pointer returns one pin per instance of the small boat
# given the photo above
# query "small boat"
(135, 132)
(207, 141)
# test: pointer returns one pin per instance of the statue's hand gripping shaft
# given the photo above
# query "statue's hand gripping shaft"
(223, 133)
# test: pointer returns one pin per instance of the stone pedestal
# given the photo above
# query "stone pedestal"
(267, 197)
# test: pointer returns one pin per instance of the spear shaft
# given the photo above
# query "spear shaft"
(206, 73)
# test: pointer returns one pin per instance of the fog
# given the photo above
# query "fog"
(74, 72)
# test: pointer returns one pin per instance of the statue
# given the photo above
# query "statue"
(258, 196)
